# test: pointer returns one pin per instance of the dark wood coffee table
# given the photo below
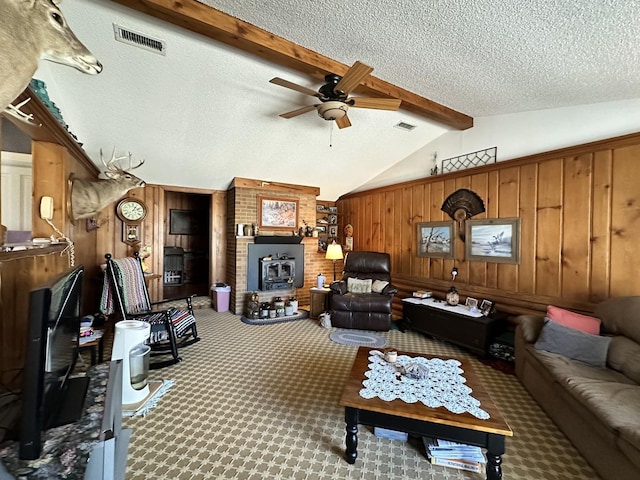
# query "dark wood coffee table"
(418, 419)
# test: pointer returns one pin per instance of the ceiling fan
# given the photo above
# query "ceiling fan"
(334, 96)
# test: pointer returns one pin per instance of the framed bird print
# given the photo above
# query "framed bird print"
(493, 240)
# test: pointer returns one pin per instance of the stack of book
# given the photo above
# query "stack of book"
(421, 294)
(456, 455)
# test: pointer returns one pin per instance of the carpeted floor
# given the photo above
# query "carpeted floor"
(262, 403)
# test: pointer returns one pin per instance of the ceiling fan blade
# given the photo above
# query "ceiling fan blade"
(353, 77)
(377, 103)
(299, 111)
(293, 86)
(343, 122)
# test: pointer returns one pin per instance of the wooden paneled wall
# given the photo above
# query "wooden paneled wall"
(52, 166)
(579, 209)
(19, 273)
(155, 229)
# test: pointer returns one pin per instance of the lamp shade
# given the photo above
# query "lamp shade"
(334, 251)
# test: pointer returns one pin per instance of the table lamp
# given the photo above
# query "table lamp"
(334, 252)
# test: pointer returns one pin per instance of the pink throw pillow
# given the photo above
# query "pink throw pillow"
(574, 320)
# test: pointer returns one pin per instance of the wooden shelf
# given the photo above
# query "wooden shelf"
(324, 238)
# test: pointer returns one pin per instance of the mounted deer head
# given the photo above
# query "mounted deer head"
(89, 197)
(31, 30)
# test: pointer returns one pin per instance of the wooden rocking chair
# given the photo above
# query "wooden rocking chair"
(125, 291)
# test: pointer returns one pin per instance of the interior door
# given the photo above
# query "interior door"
(16, 189)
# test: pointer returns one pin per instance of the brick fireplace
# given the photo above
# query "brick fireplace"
(242, 207)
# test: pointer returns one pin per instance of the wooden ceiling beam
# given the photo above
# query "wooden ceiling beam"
(219, 26)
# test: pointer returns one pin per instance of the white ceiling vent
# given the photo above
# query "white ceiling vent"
(136, 39)
(404, 126)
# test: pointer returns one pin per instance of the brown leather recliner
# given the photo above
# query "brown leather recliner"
(365, 311)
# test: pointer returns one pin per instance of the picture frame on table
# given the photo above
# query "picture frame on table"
(435, 239)
(333, 209)
(321, 228)
(333, 231)
(321, 208)
(333, 219)
(486, 307)
(493, 240)
(278, 213)
(471, 303)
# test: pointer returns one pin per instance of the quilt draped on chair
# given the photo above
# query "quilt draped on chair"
(135, 300)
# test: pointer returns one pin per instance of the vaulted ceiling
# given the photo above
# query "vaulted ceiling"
(205, 112)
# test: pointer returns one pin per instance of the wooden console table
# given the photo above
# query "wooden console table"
(450, 324)
(422, 421)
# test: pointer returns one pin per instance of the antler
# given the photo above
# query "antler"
(114, 169)
(133, 168)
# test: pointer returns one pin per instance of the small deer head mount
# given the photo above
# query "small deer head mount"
(31, 30)
(88, 197)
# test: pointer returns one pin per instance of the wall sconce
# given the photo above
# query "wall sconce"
(334, 252)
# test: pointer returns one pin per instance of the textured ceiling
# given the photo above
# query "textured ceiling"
(205, 112)
(481, 57)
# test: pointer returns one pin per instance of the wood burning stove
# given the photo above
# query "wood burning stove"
(292, 255)
(277, 273)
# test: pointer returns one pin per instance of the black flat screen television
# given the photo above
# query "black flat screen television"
(50, 396)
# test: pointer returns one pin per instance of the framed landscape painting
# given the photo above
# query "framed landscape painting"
(493, 240)
(278, 213)
(436, 239)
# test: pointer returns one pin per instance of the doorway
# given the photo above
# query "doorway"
(187, 244)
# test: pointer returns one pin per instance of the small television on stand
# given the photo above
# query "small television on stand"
(50, 395)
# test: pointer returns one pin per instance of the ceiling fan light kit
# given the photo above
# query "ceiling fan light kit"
(334, 95)
(332, 110)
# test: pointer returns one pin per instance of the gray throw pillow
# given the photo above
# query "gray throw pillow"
(574, 344)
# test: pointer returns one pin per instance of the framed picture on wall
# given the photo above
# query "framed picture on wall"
(278, 213)
(493, 240)
(435, 239)
(348, 244)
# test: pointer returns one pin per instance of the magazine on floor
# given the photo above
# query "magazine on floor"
(455, 455)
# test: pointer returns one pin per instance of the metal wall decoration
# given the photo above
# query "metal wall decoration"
(468, 160)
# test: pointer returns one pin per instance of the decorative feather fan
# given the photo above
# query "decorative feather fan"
(461, 205)
(470, 202)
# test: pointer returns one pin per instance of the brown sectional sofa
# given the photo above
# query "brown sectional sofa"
(597, 408)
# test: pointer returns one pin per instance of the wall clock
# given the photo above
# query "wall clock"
(132, 212)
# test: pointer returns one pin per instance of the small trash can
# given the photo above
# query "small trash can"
(220, 297)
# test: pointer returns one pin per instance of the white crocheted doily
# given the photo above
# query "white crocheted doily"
(444, 386)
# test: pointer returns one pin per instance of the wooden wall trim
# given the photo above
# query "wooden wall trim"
(274, 186)
(174, 188)
(606, 144)
(49, 130)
